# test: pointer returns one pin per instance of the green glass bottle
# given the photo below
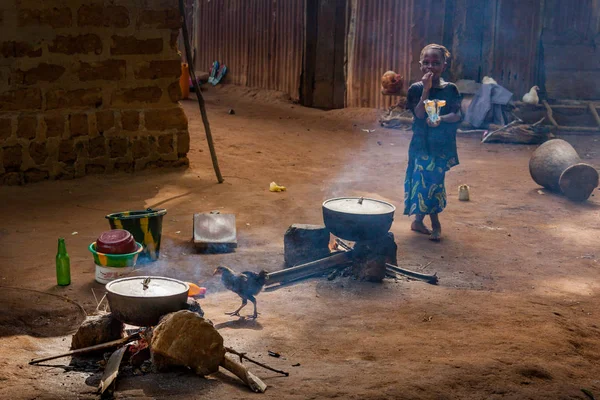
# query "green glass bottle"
(63, 264)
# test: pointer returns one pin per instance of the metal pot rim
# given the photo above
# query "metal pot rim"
(110, 291)
(393, 207)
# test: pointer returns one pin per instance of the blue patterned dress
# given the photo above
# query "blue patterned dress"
(432, 152)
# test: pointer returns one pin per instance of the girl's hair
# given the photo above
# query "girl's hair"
(443, 51)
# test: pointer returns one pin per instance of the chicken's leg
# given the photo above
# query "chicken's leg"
(237, 312)
(253, 300)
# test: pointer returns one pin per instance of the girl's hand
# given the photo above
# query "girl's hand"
(427, 81)
(434, 124)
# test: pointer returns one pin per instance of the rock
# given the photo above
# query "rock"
(194, 306)
(305, 243)
(371, 256)
(97, 329)
(185, 339)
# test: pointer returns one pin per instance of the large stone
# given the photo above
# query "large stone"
(305, 243)
(185, 339)
(370, 257)
(97, 329)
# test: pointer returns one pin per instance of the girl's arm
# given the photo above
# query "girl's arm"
(427, 83)
(420, 108)
(454, 104)
(451, 118)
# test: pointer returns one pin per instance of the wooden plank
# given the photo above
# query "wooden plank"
(594, 113)
(550, 114)
(576, 129)
(571, 57)
(575, 85)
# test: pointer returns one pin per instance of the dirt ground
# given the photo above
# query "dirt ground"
(514, 315)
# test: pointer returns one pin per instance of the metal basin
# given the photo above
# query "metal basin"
(358, 218)
(142, 300)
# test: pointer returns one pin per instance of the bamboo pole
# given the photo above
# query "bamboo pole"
(201, 104)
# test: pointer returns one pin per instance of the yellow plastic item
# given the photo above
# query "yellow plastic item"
(184, 81)
(276, 188)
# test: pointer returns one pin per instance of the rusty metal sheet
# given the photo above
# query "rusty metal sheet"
(513, 55)
(381, 41)
(260, 41)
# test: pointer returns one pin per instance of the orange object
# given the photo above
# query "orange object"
(391, 83)
(184, 81)
(196, 290)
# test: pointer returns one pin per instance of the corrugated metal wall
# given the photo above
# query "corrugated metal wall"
(513, 53)
(570, 45)
(260, 41)
(382, 41)
(389, 34)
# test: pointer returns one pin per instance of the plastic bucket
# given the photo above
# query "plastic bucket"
(108, 274)
(115, 260)
(146, 228)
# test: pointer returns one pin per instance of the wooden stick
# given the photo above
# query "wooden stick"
(254, 382)
(295, 279)
(101, 300)
(433, 279)
(489, 135)
(102, 346)
(595, 113)
(244, 356)
(201, 104)
(315, 266)
(550, 113)
(539, 122)
(112, 369)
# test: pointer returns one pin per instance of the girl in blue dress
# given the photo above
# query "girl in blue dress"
(432, 149)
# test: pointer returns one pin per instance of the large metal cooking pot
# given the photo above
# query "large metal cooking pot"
(358, 218)
(142, 300)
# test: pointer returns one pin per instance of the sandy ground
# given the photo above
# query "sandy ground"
(514, 315)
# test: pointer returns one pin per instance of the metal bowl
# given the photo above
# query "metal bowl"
(358, 218)
(142, 300)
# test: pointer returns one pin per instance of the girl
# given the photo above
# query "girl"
(432, 149)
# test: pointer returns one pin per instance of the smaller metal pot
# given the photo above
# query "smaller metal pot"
(356, 219)
(142, 300)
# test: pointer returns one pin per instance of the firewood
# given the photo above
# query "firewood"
(112, 369)
(91, 349)
(253, 382)
(433, 279)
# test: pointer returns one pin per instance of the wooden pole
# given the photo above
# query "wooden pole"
(594, 113)
(102, 346)
(550, 113)
(311, 267)
(201, 104)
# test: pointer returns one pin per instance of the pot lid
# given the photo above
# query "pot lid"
(359, 205)
(147, 286)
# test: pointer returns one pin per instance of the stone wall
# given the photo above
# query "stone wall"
(89, 87)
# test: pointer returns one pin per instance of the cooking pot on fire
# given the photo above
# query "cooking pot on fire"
(142, 300)
(358, 218)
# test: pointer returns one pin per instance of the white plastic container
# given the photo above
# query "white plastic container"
(108, 274)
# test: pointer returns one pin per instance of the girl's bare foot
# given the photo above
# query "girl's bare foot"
(436, 235)
(436, 232)
(419, 226)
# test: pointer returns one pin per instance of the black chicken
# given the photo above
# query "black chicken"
(247, 285)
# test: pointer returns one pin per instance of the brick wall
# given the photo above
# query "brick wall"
(89, 87)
